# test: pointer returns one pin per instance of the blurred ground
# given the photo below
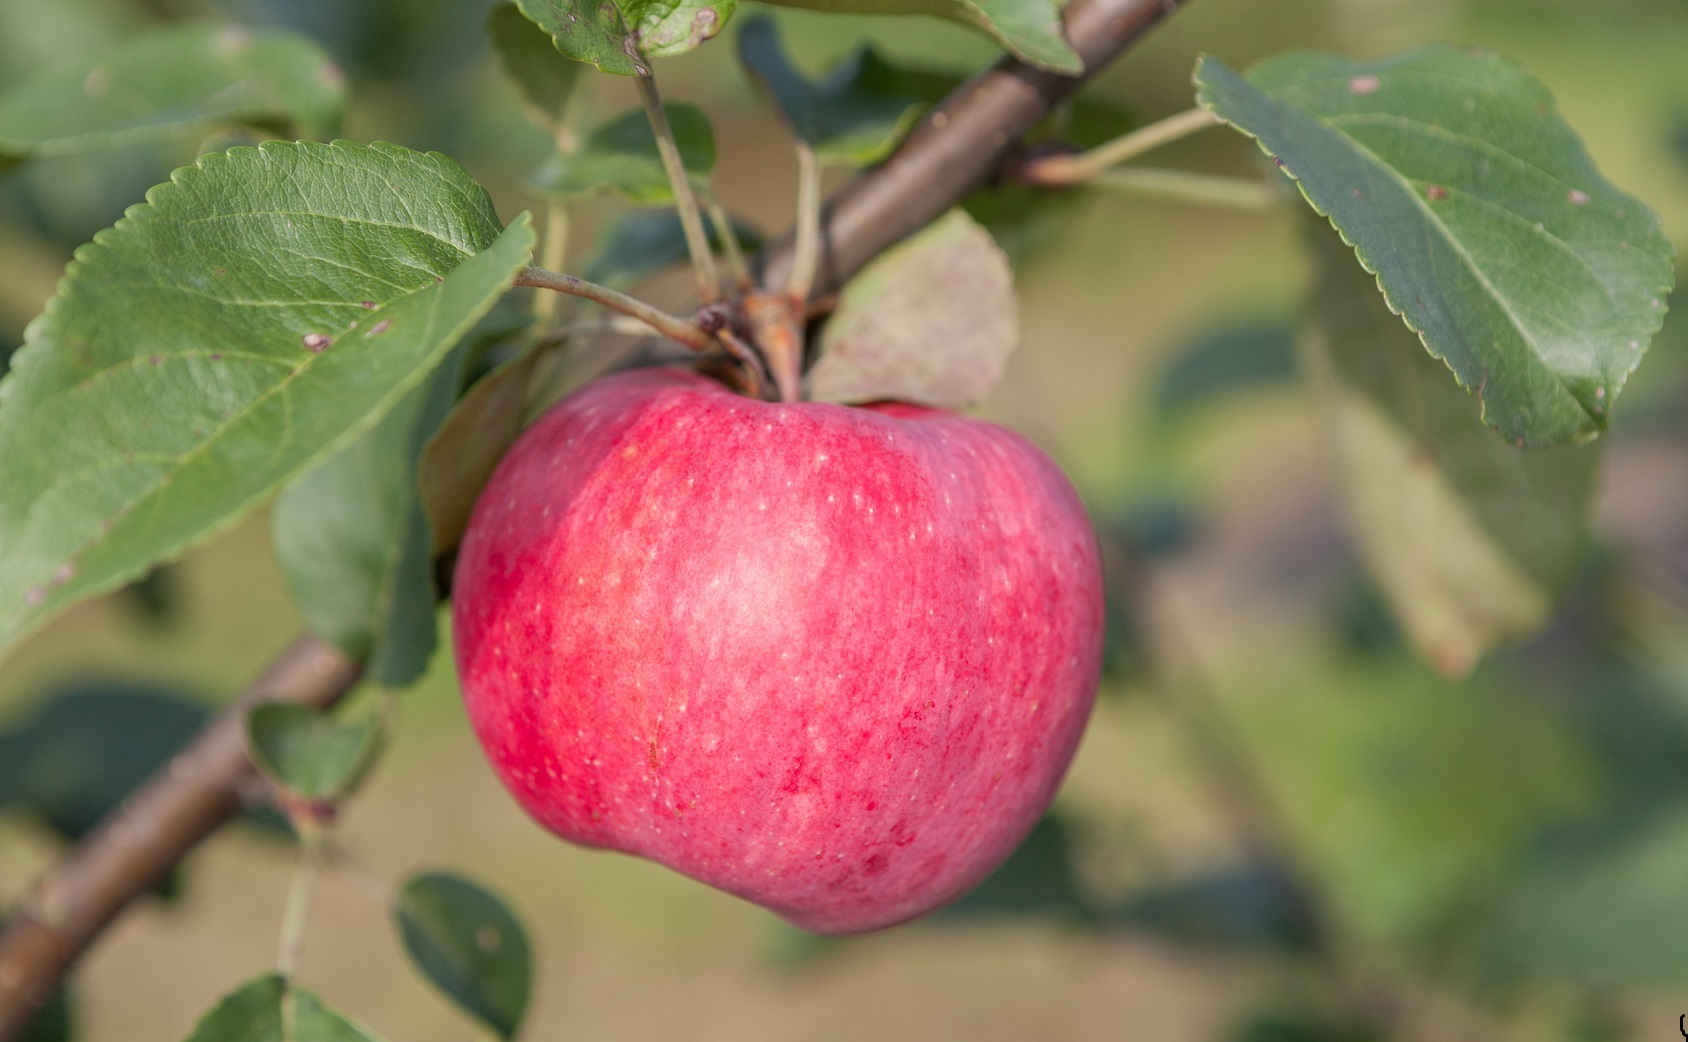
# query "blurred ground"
(1436, 820)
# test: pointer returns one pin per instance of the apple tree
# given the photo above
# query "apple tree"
(418, 386)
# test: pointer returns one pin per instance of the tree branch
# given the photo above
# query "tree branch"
(137, 844)
(959, 144)
(954, 150)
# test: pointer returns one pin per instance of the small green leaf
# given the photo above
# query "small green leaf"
(255, 1012)
(461, 455)
(470, 945)
(665, 28)
(355, 547)
(591, 32)
(1470, 539)
(639, 244)
(265, 307)
(1221, 361)
(1029, 29)
(854, 115)
(1489, 229)
(617, 37)
(87, 746)
(546, 77)
(179, 82)
(621, 156)
(308, 753)
(931, 320)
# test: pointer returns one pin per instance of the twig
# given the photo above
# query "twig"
(149, 833)
(1182, 186)
(727, 236)
(672, 326)
(807, 245)
(157, 826)
(299, 901)
(958, 145)
(691, 221)
(1076, 169)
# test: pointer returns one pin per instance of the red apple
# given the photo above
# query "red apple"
(833, 660)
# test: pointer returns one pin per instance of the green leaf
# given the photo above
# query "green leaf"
(1470, 539)
(263, 309)
(354, 544)
(931, 320)
(470, 945)
(461, 455)
(621, 156)
(254, 1012)
(308, 753)
(179, 82)
(1488, 227)
(1221, 361)
(616, 37)
(546, 77)
(87, 746)
(639, 244)
(854, 115)
(1029, 29)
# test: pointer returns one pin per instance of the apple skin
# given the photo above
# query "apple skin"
(834, 660)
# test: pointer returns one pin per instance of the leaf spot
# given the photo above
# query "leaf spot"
(156, 359)
(381, 327)
(315, 343)
(1600, 392)
(232, 41)
(488, 939)
(368, 305)
(35, 596)
(96, 83)
(1577, 196)
(1435, 192)
(64, 573)
(1364, 85)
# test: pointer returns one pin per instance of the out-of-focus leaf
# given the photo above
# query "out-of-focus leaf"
(263, 309)
(354, 542)
(1408, 794)
(621, 156)
(87, 746)
(1251, 907)
(1488, 227)
(1471, 540)
(174, 83)
(54, 1022)
(1615, 915)
(461, 455)
(1222, 361)
(853, 115)
(309, 753)
(931, 320)
(1029, 29)
(254, 1012)
(1039, 878)
(546, 77)
(641, 243)
(617, 37)
(1300, 1025)
(471, 946)
(155, 595)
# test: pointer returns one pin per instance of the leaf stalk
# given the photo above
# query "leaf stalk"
(672, 326)
(685, 201)
(1084, 166)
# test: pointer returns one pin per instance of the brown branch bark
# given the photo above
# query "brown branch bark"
(959, 144)
(953, 151)
(137, 844)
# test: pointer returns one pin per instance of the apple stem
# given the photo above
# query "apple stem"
(776, 325)
(755, 372)
(1082, 168)
(807, 247)
(727, 236)
(1236, 193)
(691, 220)
(672, 326)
